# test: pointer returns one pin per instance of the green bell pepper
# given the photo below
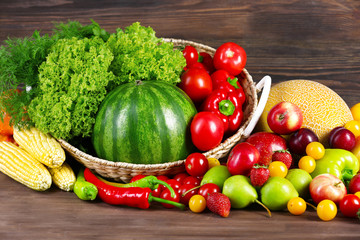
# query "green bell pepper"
(338, 162)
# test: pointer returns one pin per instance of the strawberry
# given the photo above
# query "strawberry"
(219, 203)
(283, 156)
(259, 174)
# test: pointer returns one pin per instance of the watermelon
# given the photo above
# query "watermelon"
(144, 122)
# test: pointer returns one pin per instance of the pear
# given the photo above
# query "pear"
(300, 179)
(216, 175)
(241, 193)
(276, 193)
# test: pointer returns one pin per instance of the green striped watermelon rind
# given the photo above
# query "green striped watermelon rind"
(153, 120)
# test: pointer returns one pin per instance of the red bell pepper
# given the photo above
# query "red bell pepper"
(226, 100)
(221, 79)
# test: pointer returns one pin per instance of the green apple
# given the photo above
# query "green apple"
(276, 193)
(300, 179)
(216, 175)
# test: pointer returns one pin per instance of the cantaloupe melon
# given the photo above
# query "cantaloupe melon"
(323, 109)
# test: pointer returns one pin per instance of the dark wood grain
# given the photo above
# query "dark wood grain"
(317, 40)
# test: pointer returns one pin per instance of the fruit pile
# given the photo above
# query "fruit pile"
(276, 171)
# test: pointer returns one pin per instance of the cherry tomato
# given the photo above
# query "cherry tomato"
(137, 177)
(230, 57)
(208, 188)
(213, 162)
(296, 206)
(207, 61)
(207, 130)
(357, 194)
(156, 192)
(315, 150)
(196, 65)
(192, 180)
(191, 55)
(180, 177)
(197, 203)
(278, 169)
(307, 163)
(196, 83)
(162, 178)
(184, 198)
(353, 126)
(326, 210)
(350, 205)
(174, 184)
(166, 194)
(196, 164)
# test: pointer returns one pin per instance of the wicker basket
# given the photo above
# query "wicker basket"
(121, 171)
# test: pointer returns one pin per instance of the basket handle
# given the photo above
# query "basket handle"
(264, 84)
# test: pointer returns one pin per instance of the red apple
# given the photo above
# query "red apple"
(354, 184)
(327, 186)
(285, 118)
(242, 158)
(267, 143)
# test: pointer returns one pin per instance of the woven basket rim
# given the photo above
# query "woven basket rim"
(223, 148)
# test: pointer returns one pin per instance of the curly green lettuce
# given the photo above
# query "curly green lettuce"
(72, 84)
(20, 59)
(140, 55)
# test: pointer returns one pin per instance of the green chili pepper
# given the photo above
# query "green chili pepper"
(83, 189)
(147, 182)
(338, 162)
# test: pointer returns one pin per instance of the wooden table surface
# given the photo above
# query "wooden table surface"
(295, 39)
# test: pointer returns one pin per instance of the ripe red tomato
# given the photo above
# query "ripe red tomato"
(184, 198)
(166, 194)
(208, 188)
(350, 205)
(192, 180)
(196, 164)
(191, 55)
(207, 130)
(242, 158)
(137, 177)
(230, 57)
(207, 62)
(196, 83)
(180, 177)
(174, 184)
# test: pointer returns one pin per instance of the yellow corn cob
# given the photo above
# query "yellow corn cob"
(42, 147)
(63, 177)
(22, 167)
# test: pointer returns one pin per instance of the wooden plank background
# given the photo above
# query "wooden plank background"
(296, 39)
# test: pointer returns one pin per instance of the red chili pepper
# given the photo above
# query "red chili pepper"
(129, 196)
(226, 101)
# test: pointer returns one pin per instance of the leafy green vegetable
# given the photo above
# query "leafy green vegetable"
(20, 60)
(72, 84)
(68, 73)
(140, 55)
